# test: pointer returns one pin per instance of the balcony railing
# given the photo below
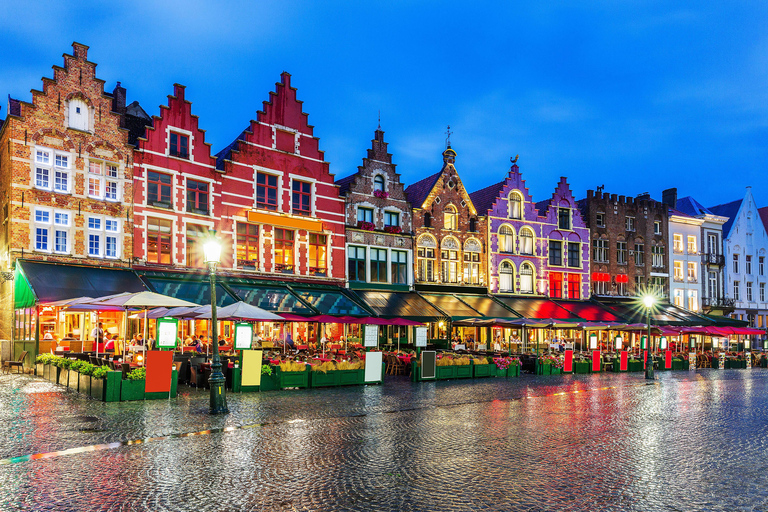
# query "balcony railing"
(713, 259)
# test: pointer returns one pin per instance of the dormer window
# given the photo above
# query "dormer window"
(451, 218)
(179, 145)
(78, 114)
(564, 218)
(378, 183)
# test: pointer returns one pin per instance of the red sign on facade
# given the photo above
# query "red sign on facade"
(595, 360)
(623, 363)
(568, 364)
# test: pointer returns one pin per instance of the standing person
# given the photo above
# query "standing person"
(97, 334)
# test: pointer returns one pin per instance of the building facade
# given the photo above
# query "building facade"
(449, 233)
(745, 247)
(281, 214)
(629, 244)
(378, 223)
(534, 248)
(714, 297)
(66, 176)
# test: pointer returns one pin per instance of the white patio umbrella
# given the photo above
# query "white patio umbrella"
(243, 311)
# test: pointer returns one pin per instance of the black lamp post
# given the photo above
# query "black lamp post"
(648, 301)
(212, 250)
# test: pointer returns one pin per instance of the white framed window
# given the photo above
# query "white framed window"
(61, 225)
(103, 180)
(692, 245)
(506, 240)
(52, 170)
(515, 210)
(526, 241)
(51, 230)
(42, 230)
(104, 237)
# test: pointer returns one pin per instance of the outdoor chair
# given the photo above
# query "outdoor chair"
(7, 365)
(398, 367)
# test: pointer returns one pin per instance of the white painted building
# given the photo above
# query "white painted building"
(745, 244)
(685, 280)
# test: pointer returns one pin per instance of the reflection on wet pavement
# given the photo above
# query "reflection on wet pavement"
(692, 441)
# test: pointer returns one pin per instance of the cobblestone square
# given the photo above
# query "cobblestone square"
(606, 442)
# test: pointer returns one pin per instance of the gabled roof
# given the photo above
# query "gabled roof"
(344, 184)
(764, 216)
(226, 153)
(543, 206)
(484, 198)
(417, 193)
(678, 213)
(727, 210)
(692, 207)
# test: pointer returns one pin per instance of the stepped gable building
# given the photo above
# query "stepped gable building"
(714, 297)
(378, 223)
(176, 191)
(449, 233)
(629, 244)
(281, 214)
(535, 248)
(66, 178)
(745, 246)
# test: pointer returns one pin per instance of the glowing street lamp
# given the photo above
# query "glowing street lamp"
(648, 302)
(212, 252)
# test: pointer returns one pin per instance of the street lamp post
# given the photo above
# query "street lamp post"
(212, 250)
(648, 301)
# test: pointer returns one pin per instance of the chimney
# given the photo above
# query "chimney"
(669, 197)
(118, 99)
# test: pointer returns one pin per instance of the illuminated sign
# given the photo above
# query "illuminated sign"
(663, 342)
(592, 341)
(371, 336)
(167, 329)
(243, 336)
(619, 342)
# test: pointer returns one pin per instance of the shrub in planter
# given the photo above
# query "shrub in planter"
(132, 388)
(63, 364)
(292, 375)
(106, 384)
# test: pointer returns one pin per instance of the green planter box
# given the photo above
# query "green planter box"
(513, 371)
(84, 385)
(292, 379)
(678, 364)
(498, 372)
(635, 366)
(763, 363)
(602, 367)
(63, 377)
(544, 369)
(445, 372)
(484, 370)
(580, 367)
(337, 378)
(556, 371)
(132, 390)
(268, 382)
(464, 371)
(97, 388)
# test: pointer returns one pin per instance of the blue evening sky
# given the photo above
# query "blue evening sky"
(638, 96)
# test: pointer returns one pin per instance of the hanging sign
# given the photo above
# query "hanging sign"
(592, 341)
(691, 360)
(167, 329)
(243, 336)
(421, 336)
(371, 336)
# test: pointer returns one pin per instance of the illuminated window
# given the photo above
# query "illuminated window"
(158, 241)
(506, 240)
(197, 197)
(318, 248)
(451, 218)
(574, 286)
(556, 285)
(506, 277)
(692, 245)
(515, 206)
(526, 278)
(526, 241)
(283, 250)
(247, 245)
(179, 146)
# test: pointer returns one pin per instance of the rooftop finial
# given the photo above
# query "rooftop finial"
(448, 132)
(514, 160)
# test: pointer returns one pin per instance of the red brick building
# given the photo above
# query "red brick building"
(66, 181)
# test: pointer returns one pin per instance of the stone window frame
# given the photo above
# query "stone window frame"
(104, 177)
(511, 273)
(528, 266)
(383, 182)
(502, 239)
(174, 130)
(52, 168)
(453, 212)
(104, 234)
(516, 193)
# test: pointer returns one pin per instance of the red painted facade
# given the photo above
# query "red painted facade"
(171, 160)
(276, 185)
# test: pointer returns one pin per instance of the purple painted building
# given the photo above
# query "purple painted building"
(535, 249)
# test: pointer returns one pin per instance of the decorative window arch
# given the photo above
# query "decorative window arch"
(506, 239)
(426, 240)
(506, 277)
(378, 183)
(472, 245)
(527, 278)
(450, 259)
(472, 250)
(425, 258)
(527, 241)
(450, 218)
(515, 210)
(450, 243)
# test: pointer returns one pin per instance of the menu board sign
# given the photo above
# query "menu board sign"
(371, 338)
(243, 336)
(592, 341)
(421, 336)
(691, 360)
(166, 332)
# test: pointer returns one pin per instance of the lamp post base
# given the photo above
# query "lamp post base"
(218, 396)
(649, 367)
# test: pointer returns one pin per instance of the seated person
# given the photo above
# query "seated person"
(109, 345)
(48, 335)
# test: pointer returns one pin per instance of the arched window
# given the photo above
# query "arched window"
(451, 219)
(472, 261)
(506, 277)
(427, 220)
(526, 241)
(515, 206)
(425, 258)
(378, 183)
(526, 278)
(506, 240)
(78, 114)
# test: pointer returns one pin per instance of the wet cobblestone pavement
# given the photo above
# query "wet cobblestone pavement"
(692, 441)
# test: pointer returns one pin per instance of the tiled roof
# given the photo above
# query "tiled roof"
(764, 216)
(344, 184)
(692, 207)
(543, 206)
(417, 193)
(727, 210)
(226, 153)
(484, 198)
(675, 211)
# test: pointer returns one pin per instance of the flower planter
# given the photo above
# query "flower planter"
(544, 369)
(63, 379)
(445, 372)
(132, 390)
(679, 364)
(74, 381)
(580, 367)
(635, 365)
(556, 371)
(498, 372)
(337, 378)
(464, 371)
(514, 371)
(292, 379)
(484, 370)
(84, 385)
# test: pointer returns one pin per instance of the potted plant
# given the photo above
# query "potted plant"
(85, 371)
(292, 374)
(545, 365)
(337, 373)
(132, 388)
(267, 378)
(106, 384)
(74, 374)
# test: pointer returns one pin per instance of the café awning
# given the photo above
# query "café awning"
(454, 308)
(45, 283)
(487, 306)
(270, 297)
(589, 311)
(330, 300)
(535, 308)
(662, 314)
(408, 305)
(193, 288)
